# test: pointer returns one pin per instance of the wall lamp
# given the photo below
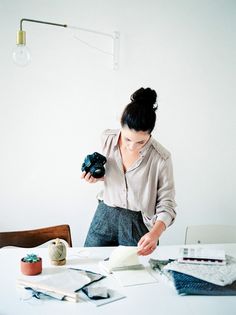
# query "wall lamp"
(21, 54)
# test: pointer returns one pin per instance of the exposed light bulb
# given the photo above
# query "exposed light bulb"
(21, 54)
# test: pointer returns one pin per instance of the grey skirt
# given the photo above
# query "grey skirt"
(113, 226)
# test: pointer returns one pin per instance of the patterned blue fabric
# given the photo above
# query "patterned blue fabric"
(188, 285)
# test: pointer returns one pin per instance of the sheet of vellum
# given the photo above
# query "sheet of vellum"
(123, 256)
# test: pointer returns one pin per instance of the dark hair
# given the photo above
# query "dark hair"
(140, 114)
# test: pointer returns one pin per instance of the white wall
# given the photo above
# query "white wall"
(53, 111)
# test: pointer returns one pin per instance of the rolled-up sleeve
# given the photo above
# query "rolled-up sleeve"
(165, 197)
(165, 206)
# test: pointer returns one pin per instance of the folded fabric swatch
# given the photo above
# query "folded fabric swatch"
(189, 285)
(216, 274)
(62, 285)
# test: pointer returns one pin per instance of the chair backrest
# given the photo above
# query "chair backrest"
(33, 238)
(210, 234)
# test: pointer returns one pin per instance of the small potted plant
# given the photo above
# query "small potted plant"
(31, 265)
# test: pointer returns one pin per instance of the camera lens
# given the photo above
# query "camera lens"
(97, 172)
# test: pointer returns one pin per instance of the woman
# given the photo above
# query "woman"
(137, 203)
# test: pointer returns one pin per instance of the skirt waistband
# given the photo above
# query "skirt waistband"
(124, 211)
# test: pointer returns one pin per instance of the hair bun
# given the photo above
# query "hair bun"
(144, 97)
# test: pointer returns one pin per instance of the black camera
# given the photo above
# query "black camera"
(93, 163)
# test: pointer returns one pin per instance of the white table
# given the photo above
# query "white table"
(158, 298)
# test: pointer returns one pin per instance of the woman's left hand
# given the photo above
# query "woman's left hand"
(147, 244)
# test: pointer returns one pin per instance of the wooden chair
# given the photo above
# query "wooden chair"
(33, 238)
(210, 234)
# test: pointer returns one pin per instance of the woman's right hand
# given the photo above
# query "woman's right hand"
(90, 179)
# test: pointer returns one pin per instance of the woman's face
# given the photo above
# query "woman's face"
(132, 140)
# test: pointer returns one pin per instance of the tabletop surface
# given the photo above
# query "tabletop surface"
(159, 297)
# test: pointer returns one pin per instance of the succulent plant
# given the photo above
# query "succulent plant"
(31, 258)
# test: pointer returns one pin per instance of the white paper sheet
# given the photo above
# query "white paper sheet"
(134, 277)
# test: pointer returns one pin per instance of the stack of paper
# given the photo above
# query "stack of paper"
(124, 264)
